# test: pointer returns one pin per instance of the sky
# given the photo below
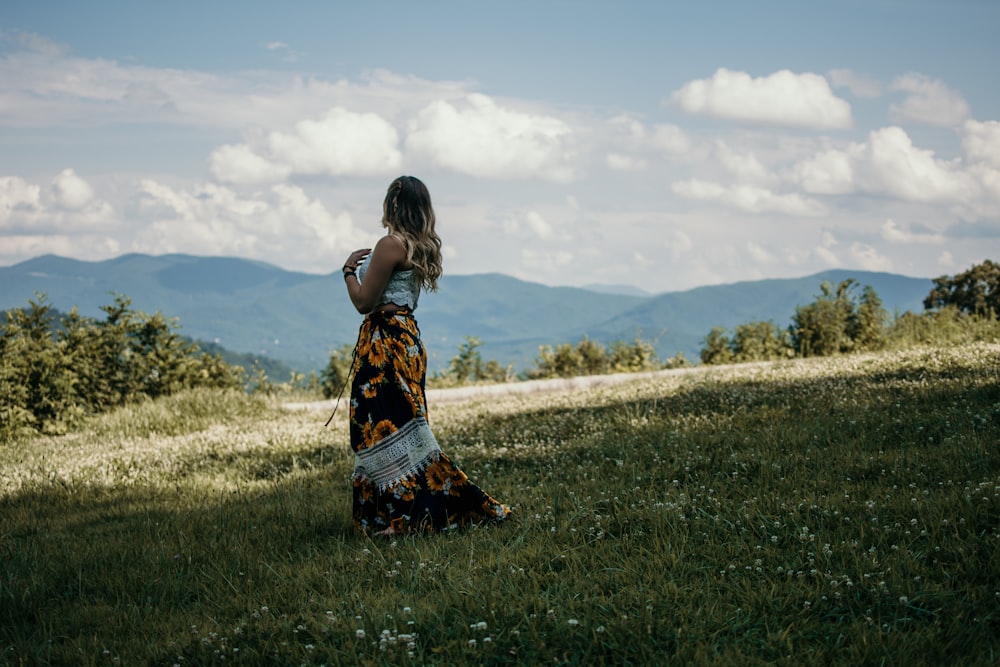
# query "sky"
(656, 145)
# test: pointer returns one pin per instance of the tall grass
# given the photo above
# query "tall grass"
(842, 510)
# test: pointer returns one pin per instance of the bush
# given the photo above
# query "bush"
(54, 372)
(334, 376)
(947, 326)
(591, 358)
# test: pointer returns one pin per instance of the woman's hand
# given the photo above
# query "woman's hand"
(355, 259)
(387, 255)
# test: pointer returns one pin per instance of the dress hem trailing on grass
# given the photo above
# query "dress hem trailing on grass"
(403, 482)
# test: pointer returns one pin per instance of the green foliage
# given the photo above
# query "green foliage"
(945, 326)
(37, 380)
(975, 291)
(677, 361)
(334, 377)
(961, 310)
(823, 327)
(836, 322)
(588, 357)
(753, 341)
(49, 381)
(634, 357)
(468, 366)
(760, 341)
(272, 368)
(714, 518)
(717, 348)
(563, 360)
(867, 325)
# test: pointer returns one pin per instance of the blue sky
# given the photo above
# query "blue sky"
(656, 144)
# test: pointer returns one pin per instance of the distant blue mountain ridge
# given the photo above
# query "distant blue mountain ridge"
(299, 318)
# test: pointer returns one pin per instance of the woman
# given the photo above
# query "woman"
(403, 482)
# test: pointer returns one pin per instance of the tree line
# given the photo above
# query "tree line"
(56, 368)
(842, 320)
(587, 357)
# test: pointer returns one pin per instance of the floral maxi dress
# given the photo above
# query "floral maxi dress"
(402, 479)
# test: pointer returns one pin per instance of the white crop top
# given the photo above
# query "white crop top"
(403, 288)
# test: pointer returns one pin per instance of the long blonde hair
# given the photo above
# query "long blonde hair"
(408, 214)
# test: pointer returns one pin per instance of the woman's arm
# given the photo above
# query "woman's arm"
(387, 255)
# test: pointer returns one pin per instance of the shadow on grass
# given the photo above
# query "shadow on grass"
(95, 562)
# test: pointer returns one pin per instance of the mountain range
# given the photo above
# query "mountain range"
(253, 307)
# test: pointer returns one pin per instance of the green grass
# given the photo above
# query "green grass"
(819, 511)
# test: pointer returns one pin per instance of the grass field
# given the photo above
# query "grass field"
(828, 511)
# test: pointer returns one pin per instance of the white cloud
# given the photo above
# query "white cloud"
(860, 85)
(483, 139)
(240, 164)
(17, 247)
(545, 263)
(662, 137)
(620, 162)
(869, 259)
(888, 164)
(678, 244)
(69, 204)
(892, 164)
(539, 226)
(824, 252)
(981, 141)
(44, 85)
(749, 198)
(893, 232)
(71, 192)
(946, 260)
(928, 101)
(215, 220)
(830, 172)
(758, 254)
(670, 139)
(338, 144)
(20, 203)
(826, 256)
(634, 147)
(989, 179)
(744, 166)
(783, 98)
(342, 142)
(533, 223)
(633, 130)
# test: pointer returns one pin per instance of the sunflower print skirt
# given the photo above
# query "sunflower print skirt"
(402, 479)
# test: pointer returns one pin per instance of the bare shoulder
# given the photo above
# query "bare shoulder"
(392, 249)
(392, 240)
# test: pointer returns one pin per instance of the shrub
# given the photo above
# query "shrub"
(53, 372)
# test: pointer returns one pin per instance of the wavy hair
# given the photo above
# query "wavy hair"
(408, 214)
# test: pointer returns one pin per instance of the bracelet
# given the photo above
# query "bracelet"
(350, 273)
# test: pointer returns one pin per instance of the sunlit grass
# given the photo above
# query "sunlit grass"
(838, 510)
